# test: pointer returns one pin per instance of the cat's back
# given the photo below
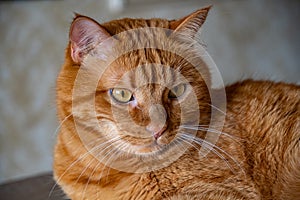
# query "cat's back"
(268, 117)
(255, 99)
(267, 90)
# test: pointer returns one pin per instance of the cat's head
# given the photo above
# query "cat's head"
(133, 84)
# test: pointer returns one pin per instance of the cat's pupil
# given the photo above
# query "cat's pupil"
(176, 89)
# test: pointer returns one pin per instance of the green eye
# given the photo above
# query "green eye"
(177, 91)
(121, 95)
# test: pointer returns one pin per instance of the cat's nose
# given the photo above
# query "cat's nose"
(158, 116)
(157, 131)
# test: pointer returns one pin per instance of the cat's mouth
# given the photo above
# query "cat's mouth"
(145, 142)
(154, 145)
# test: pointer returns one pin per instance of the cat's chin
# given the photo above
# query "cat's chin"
(153, 147)
(158, 145)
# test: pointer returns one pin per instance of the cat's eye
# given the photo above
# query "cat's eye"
(177, 91)
(121, 95)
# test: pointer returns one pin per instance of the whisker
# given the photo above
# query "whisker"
(118, 150)
(87, 183)
(113, 140)
(111, 154)
(60, 125)
(227, 154)
(221, 111)
(217, 153)
(81, 157)
(179, 144)
(198, 127)
(114, 150)
(208, 144)
(70, 166)
(218, 109)
(187, 141)
(200, 142)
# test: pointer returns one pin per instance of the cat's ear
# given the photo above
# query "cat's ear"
(189, 25)
(85, 34)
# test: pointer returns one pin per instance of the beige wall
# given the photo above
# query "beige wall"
(257, 38)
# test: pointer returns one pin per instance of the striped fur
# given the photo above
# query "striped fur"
(256, 156)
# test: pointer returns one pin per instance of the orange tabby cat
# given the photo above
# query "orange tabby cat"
(140, 119)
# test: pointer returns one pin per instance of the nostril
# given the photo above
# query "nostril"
(156, 135)
(157, 132)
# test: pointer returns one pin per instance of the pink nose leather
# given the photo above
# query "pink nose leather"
(158, 133)
(158, 116)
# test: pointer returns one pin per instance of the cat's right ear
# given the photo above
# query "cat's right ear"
(190, 24)
(85, 34)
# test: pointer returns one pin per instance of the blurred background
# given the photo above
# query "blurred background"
(246, 38)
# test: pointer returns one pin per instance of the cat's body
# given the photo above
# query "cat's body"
(256, 157)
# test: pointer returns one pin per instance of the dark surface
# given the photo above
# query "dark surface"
(34, 188)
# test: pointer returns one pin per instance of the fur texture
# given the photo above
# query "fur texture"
(257, 152)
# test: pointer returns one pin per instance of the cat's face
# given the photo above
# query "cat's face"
(149, 102)
(135, 91)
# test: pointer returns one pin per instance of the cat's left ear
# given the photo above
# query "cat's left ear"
(189, 25)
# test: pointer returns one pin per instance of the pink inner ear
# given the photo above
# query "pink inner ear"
(85, 34)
